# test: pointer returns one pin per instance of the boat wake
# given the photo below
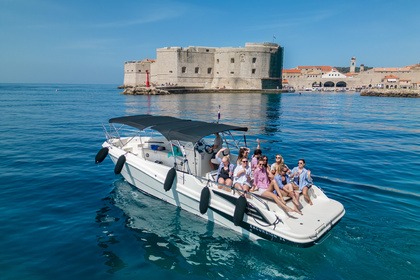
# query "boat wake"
(166, 232)
(354, 185)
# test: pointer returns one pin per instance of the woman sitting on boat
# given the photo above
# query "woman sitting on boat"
(263, 187)
(302, 179)
(243, 153)
(279, 162)
(283, 183)
(267, 167)
(242, 175)
(225, 171)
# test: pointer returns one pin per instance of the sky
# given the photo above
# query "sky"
(88, 41)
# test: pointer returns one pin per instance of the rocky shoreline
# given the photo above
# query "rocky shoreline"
(391, 93)
(141, 90)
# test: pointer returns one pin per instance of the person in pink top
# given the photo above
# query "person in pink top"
(262, 186)
(261, 180)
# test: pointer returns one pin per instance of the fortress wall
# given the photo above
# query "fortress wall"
(165, 70)
(192, 66)
(196, 66)
(255, 66)
(135, 72)
(244, 68)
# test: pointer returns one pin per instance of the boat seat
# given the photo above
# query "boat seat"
(162, 157)
(212, 175)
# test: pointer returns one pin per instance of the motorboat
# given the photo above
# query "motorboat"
(169, 158)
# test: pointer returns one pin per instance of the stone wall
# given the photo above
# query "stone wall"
(255, 66)
(135, 72)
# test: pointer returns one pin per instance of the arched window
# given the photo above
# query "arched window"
(341, 84)
(329, 84)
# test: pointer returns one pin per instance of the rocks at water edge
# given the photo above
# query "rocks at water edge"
(144, 91)
(391, 92)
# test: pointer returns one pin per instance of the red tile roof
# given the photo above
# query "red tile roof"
(292, 71)
(391, 77)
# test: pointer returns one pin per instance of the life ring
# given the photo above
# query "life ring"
(120, 164)
(240, 208)
(101, 155)
(170, 177)
(204, 200)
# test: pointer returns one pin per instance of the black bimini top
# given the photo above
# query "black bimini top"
(176, 129)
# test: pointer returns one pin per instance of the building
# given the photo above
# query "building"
(255, 66)
(328, 78)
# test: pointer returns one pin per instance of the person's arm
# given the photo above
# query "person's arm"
(219, 152)
(256, 175)
(308, 176)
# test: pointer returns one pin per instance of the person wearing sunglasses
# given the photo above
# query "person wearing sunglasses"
(278, 164)
(242, 175)
(283, 186)
(302, 180)
(263, 187)
(243, 153)
(225, 171)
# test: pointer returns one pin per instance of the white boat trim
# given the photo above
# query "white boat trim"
(145, 162)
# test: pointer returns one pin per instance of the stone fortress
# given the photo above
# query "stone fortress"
(327, 78)
(256, 66)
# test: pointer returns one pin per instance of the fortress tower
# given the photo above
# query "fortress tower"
(353, 65)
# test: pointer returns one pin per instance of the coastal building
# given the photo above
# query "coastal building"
(255, 66)
(329, 78)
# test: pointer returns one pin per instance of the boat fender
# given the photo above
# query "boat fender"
(170, 177)
(204, 200)
(120, 164)
(240, 208)
(101, 155)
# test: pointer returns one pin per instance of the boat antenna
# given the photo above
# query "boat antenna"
(218, 115)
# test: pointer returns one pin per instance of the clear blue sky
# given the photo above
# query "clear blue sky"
(82, 41)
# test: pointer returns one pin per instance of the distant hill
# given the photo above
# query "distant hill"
(347, 69)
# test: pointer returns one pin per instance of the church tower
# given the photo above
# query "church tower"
(353, 65)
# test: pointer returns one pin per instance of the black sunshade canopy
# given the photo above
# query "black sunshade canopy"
(176, 129)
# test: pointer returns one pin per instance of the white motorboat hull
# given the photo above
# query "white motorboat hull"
(303, 230)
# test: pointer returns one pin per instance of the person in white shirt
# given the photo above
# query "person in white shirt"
(242, 176)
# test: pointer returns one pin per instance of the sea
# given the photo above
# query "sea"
(65, 217)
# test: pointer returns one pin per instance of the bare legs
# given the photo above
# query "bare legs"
(225, 184)
(243, 187)
(306, 195)
(279, 199)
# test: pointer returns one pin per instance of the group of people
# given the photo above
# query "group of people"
(272, 181)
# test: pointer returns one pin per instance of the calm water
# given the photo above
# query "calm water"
(63, 217)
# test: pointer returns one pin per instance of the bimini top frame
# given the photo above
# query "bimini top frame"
(176, 129)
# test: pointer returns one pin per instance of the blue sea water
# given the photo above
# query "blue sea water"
(63, 217)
